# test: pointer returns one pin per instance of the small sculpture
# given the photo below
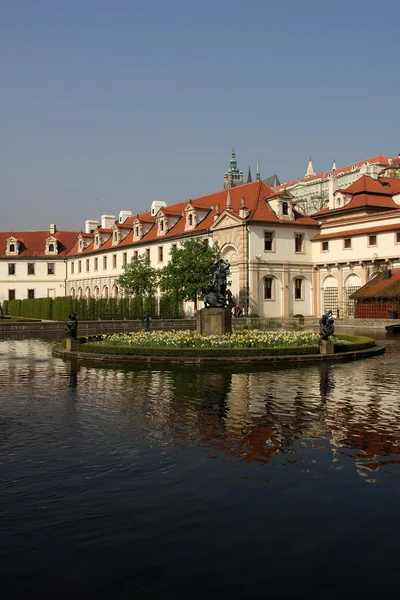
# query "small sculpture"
(215, 294)
(146, 321)
(72, 326)
(326, 326)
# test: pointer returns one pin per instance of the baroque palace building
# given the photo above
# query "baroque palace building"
(283, 262)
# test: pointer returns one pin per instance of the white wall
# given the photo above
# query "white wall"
(44, 285)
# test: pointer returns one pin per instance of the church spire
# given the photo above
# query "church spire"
(249, 178)
(334, 165)
(258, 176)
(310, 169)
(233, 176)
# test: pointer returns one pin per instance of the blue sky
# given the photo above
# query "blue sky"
(107, 105)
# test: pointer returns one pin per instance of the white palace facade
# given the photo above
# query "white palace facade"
(283, 263)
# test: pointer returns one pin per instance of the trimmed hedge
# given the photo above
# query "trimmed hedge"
(92, 309)
(356, 342)
(196, 352)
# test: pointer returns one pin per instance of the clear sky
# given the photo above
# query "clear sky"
(110, 104)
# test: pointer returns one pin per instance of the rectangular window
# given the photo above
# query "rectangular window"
(124, 259)
(51, 268)
(114, 261)
(268, 288)
(347, 243)
(174, 246)
(79, 266)
(31, 268)
(298, 242)
(31, 294)
(11, 268)
(397, 237)
(11, 294)
(372, 240)
(325, 246)
(87, 265)
(268, 241)
(104, 262)
(136, 254)
(148, 254)
(160, 254)
(96, 264)
(72, 268)
(298, 289)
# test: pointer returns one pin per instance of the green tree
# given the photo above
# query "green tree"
(139, 278)
(189, 269)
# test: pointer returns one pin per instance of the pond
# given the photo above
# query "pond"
(129, 482)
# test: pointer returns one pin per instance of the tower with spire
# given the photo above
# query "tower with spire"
(310, 169)
(233, 176)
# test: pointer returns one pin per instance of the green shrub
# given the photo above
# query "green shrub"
(354, 342)
(6, 307)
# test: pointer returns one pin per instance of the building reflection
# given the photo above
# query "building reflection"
(349, 409)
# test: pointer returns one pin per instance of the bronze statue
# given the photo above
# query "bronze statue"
(72, 326)
(215, 294)
(326, 326)
(146, 321)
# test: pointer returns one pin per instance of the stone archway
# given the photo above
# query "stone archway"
(329, 294)
(229, 253)
(351, 284)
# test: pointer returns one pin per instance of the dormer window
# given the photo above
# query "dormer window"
(162, 225)
(51, 246)
(116, 237)
(97, 240)
(190, 220)
(12, 246)
(136, 231)
(285, 208)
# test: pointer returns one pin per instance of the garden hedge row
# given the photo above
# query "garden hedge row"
(92, 309)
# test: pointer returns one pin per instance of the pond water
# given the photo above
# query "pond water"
(195, 483)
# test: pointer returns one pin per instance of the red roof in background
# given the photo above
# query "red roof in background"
(367, 193)
(33, 243)
(383, 160)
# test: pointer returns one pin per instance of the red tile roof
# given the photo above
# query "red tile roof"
(379, 287)
(354, 232)
(33, 243)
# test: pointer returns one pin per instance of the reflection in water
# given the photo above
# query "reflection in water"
(101, 462)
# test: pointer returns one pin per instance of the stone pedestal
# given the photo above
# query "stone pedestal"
(214, 321)
(326, 347)
(71, 345)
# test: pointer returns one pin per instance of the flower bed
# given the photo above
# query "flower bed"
(189, 339)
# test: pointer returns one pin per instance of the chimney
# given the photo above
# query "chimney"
(53, 229)
(332, 187)
(107, 221)
(123, 215)
(90, 226)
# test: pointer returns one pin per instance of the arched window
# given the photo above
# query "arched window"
(190, 220)
(285, 208)
(268, 288)
(137, 231)
(161, 225)
(73, 292)
(12, 247)
(51, 247)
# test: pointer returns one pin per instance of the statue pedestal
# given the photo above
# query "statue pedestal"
(326, 347)
(217, 321)
(71, 345)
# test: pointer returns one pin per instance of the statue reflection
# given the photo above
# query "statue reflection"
(72, 368)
